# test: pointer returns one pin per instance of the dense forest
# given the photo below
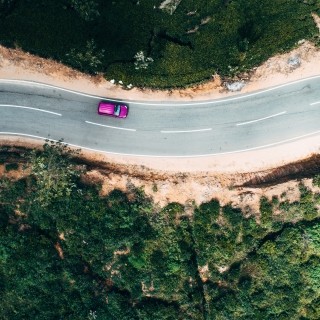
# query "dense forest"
(142, 43)
(66, 252)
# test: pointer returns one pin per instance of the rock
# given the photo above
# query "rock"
(235, 86)
(169, 6)
(294, 62)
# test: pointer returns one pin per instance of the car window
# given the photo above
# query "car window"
(117, 110)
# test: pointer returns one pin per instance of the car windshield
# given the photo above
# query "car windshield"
(117, 110)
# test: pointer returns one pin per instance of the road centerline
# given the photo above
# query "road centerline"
(111, 127)
(30, 108)
(261, 119)
(185, 131)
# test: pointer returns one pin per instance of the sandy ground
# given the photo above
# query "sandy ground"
(188, 181)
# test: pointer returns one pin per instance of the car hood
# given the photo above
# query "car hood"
(123, 111)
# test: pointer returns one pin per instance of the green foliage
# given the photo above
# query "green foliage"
(266, 211)
(98, 36)
(11, 166)
(258, 271)
(150, 310)
(87, 250)
(154, 187)
(269, 284)
(87, 9)
(87, 59)
(6, 6)
(306, 203)
(306, 208)
(316, 180)
(84, 256)
(223, 237)
(204, 228)
(53, 171)
(267, 219)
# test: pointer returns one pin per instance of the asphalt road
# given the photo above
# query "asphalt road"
(181, 129)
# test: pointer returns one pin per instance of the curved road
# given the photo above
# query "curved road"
(172, 129)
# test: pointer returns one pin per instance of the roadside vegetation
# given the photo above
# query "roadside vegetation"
(138, 43)
(66, 252)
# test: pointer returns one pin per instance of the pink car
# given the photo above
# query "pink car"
(113, 109)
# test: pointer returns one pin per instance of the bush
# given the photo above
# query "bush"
(87, 9)
(86, 59)
(316, 180)
(11, 166)
(266, 210)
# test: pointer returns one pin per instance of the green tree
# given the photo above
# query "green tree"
(87, 9)
(55, 175)
(6, 6)
(87, 59)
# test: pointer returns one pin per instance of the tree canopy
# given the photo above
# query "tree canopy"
(66, 252)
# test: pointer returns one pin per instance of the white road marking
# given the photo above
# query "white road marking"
(154, 156)
(185, 131)
(237, 97)
(261, 119)
(103, 125)
(30, 108)
(313, 103)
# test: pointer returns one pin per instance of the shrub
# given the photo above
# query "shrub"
(87, 59)
(316, 180)
(11, 166)
(266, 210)
(87, 9)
